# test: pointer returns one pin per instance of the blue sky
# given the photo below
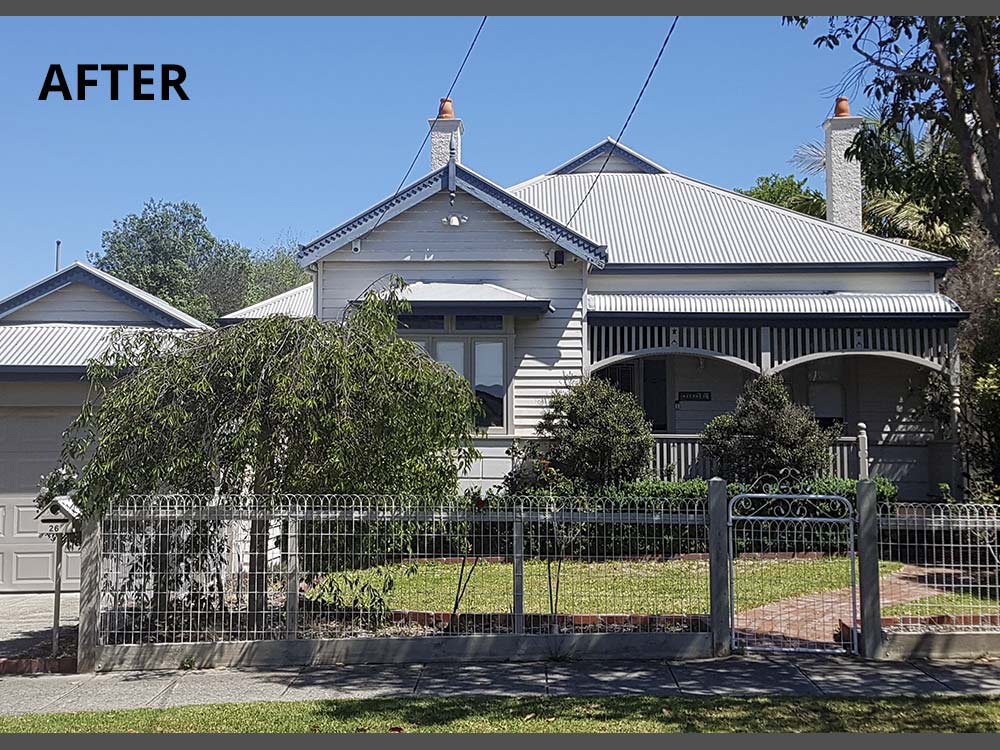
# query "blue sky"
(295, 124)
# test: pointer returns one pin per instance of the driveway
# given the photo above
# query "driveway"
(26, 623)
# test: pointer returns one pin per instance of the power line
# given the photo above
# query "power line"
(628, 119)
(431, 128)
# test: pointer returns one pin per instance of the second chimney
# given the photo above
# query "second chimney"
(843, 176)
(444, 128)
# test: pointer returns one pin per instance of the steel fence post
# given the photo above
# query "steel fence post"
(518, 569)
(718, 564)
(90, 595)
(868, 578)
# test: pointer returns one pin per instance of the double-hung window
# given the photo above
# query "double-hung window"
(477, 347)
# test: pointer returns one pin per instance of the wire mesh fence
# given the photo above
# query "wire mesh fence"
(941, 567)
(188, 569)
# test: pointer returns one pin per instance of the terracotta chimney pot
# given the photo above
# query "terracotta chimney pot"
(447, 111)
(842, 109)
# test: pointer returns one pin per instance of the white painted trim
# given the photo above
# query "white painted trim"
(937, 367)
(707, 354)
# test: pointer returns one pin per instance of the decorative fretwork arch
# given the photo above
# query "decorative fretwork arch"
(929, 346)
(773, 348)
(611, 343)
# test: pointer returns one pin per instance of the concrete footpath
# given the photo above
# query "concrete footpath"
(733, 676)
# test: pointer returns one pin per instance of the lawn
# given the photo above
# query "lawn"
(615, 587)
(950, 603)
(619, 714)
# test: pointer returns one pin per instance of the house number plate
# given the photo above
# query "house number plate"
(694, 395)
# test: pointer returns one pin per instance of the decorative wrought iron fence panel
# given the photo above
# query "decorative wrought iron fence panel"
(793, 579)
(940, 566)
(187, 569)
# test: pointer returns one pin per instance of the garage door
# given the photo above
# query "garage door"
(32, 419)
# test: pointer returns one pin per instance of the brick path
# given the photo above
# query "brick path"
(812, 621)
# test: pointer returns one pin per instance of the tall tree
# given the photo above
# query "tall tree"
(168, 250)
(788, 192)
(943, 71)
(158, 251)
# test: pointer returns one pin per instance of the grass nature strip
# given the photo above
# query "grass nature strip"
(610, 714)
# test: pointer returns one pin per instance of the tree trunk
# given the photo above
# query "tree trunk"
(257, 584)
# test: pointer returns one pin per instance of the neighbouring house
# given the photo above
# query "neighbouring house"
(49, 331)
(610, 264)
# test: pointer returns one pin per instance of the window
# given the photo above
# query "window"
(479, 322)
(827, 401)
(451, 353)
(621, 376)
(488, 382)
(420, 323)
(476, 347)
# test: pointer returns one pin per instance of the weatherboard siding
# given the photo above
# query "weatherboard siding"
(548, 351)
(76, 303)
(419, 234)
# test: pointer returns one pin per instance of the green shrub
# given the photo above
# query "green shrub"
(767, 434)
(365, 591)
(593, 435)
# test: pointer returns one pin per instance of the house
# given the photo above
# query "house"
(610, 264)
(49, 331)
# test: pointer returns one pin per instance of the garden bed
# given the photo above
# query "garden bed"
(632, 595)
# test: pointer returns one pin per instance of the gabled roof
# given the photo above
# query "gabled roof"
(476, 185)
(601, 149)
(669, 220)
(148, 304)
(295, 303)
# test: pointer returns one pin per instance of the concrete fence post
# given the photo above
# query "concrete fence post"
(863, 461)
(868, 579)
(90, 595)
(292, 578)
(718, 564)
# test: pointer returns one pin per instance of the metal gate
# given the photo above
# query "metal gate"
(792, 573)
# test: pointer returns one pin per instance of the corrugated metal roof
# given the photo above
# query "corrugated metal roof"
(56, 344)
(449, 291)
(296, 303)
(671, 219)
(752, 303)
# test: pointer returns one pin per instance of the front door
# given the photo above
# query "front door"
(654, 394)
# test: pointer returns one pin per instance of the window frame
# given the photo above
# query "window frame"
(504, 335)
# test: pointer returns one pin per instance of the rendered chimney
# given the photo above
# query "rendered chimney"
(443, 127)
(843, 176)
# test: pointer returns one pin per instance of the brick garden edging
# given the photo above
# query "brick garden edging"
(686, 623)
(32, 665)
